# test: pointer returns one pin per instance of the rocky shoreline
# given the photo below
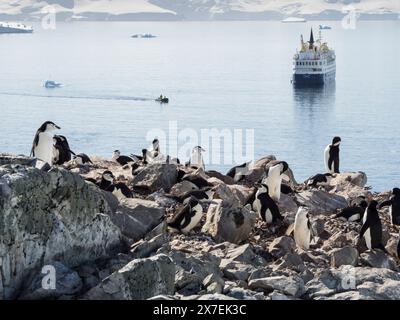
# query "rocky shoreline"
(107, 247)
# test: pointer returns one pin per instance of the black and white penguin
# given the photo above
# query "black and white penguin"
(372, 227)
(196, 179)
(332, 156)
(156, 145)
(274, 178)
(319, 180)
(302, 229)
(121, 159)
(394, 209)
(353, 213)
(82, 158)
(200, 194)
(62, 152)
(265, 206)
(118, 189)
(188, 217)
(42, 147)
(240, 171)
(196, 158)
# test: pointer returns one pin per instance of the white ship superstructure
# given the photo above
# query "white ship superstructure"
(8, 27)
(314, 64)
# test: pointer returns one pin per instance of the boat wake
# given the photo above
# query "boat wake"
(56, 96)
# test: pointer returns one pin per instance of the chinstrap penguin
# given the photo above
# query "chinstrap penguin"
(331, 154)
(394, 206)
(196, 158)
(187, 217)
(274, 178)
(353, 213)
(372, 227)
(265, 206)
(42, 147)
(62, 151)
(302, 229)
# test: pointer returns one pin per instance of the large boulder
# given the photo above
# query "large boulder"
(140, 279)
(67, 283)
(319, 201)
(156, 176)
(135, 217)
(47, 216)
(344, 256)
(293, 286)
(227, 222)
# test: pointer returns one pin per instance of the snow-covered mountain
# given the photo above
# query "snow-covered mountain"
(198, 9)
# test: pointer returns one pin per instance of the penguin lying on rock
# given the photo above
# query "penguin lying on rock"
(187, 217)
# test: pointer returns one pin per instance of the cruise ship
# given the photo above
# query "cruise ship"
(6, 27)
(314, 64)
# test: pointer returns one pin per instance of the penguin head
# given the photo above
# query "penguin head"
(284, 166)
(373, 204)
(155, 144)
(336, 141)
(363, 204)
(49, 126)
(263, 187)
(198, 149)
(396, 191)
(116, 153)
(108, 176)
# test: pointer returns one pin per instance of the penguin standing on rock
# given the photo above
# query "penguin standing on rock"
(372, 227)
(42, 147)
(274, 178)
(332, 156)
(188, 217)
(302, 229)
(394, 203)
(265, 206)
(196, 158)
(62, 152)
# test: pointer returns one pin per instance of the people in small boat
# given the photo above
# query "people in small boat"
(161, 97)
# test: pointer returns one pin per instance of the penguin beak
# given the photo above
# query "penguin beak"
(57, 127)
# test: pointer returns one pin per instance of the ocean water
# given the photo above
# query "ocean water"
(223, 75)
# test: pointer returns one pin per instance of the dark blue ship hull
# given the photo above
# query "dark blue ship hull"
(312, 80)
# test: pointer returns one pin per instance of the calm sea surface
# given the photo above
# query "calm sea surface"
(224, 75)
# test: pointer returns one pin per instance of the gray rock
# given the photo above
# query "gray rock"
(67, 282)
(318, 201)
(140, 279)
(281, 246)
(391, 246)
(389, 290)
(358, 179)
(144, 248)
(156, 176)
(163, 297)
(318, 227)
(280, 296)
(226, 222)
(213, 278)
(215, 297)
(182, 188)
(378, 259)
(242, 294)
(290, 261)
(293, 286)
(49, 216)
(344, 256)
(136, 217)
(245, 254)
(288, 207)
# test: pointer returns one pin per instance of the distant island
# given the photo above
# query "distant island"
(172, 10)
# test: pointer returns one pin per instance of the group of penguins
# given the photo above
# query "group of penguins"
(53, 149)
